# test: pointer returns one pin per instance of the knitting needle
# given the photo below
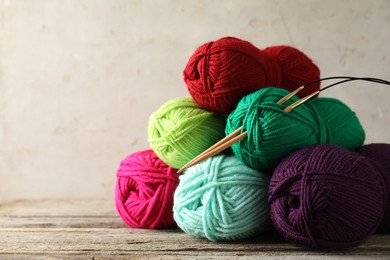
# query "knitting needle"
(287, 97)
(233, 137)
(216, 148)
(290, 95)
(222, 141)
(304, 99)
(300, 101)
(230, 140)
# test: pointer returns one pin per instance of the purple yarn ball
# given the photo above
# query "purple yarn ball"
(380, 153)
(324, 196)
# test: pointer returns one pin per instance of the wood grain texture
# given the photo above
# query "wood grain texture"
(91, 229)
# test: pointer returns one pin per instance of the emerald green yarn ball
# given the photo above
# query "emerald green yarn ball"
(222, 199)
(273, 133)
(181, 129)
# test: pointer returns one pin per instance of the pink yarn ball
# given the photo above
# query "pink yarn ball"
(144, 191)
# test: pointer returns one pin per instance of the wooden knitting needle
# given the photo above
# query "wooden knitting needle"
(287, 97)
(235, 136)
(223, 144)
(304, 99)
(300, 101)
(220, 142)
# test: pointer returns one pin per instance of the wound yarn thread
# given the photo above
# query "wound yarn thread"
(222, 199)
(221, 72)
(273, 133)
(324, 196)
(144, 191)
(379, 153)
(296, 68)
(181, 129)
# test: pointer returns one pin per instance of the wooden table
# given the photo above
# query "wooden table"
(91, 229)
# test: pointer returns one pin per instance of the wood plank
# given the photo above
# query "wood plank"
(58, 208)
(110, 242)
(92, 229)
(62, 222)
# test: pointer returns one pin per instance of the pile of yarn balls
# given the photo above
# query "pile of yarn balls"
(306, 174)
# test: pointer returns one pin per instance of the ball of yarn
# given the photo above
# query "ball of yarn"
(222, 199)
(297, 68)
(144, 191)
(220, 73)
(380, 154)
(273, 133)
(181, 129)
(324, 196)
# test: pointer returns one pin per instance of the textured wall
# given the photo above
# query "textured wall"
(79, 79)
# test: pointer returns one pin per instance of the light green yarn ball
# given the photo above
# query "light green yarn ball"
(222, 199)
(181, 129)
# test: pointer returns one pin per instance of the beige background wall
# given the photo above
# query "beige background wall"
(79, 78)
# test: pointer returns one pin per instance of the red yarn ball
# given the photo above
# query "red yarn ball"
(144, 191)
(220, 73)
(297, 69)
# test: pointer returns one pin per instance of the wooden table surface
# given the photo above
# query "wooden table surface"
(91, 229)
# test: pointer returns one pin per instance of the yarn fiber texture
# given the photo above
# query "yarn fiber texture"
(273, 133)
(296, 67)
(324, 196)
(220, 73)
(181, 129)
(222, 199)
(144, 191)
(379, 153)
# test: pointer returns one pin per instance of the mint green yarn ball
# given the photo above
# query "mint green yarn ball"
(273, 133)
(222, 199)
(181, 129)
